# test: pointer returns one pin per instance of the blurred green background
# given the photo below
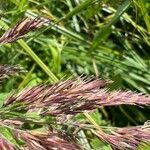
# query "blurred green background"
(107, 39)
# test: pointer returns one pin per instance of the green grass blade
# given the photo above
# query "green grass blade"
(23, 44)
(145, 14)
(78, 8)
(37, 60)
(104, 33)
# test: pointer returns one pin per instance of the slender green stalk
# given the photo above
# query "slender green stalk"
(53, 78)
(104, 33)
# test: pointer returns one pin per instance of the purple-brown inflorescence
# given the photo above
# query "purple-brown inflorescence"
(5, 145)
(6, 71)
(74, 96)
(129, 138)
(46, 141)
(21, 28)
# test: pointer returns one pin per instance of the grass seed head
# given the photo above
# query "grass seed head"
(21, 28)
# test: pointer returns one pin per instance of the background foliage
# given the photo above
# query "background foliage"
(107, 39)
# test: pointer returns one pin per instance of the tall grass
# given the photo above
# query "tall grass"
(107, 39)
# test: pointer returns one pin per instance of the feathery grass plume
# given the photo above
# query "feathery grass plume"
(21, 28)
(5, 145)
(74, 96)
(63, 95)
(11, 122)
(128, 138)
(46, 141)
(6, 70)
(38, 140)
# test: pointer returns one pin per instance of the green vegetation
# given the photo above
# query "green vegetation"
(105, 39)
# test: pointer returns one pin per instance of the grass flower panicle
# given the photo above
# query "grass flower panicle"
(6, 70)
(21, 28)
(5, 145)
(128, 138)
(30, 116)
(74, 96)
(46, 141)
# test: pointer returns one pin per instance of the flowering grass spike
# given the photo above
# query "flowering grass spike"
(21, 28)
